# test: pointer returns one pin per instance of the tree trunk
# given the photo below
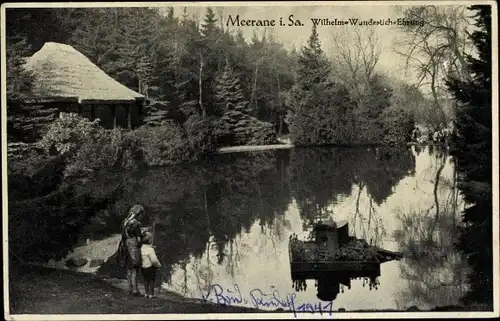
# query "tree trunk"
(454, 44)
(280, 126)
(436, 100)
(113, 111)
(200, 89)
(254, 87)
(436, 186)
(205, 203)
(280, 105)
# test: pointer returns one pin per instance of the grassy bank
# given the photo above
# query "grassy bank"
(36, 290)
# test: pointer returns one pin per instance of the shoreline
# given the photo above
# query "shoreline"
(252, 148)
(42, 290)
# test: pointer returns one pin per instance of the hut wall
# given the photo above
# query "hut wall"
(105, 114)
(121, 116)
(136, 114)
(86, 111)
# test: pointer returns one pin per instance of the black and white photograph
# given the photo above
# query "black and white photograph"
(250, 160)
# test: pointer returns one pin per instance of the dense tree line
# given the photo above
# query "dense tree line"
(472, 148)
(213, 81)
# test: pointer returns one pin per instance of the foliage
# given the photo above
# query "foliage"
(472, 148)
(162, 145)
(19, 83)
(34, 175)
(46, 209)
(237, 125)
(369, 119)
(398, 125)
(179, 62)
(168, 56)
(47, 227)
(200, 135)
(320, 110)
(434, 51)
(156, 113)
(28, 122)
(261, 133)
(19, 80)
(86, 146)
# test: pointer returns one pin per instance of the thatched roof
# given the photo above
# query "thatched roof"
(61, 71)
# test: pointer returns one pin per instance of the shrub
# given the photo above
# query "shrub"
(35, 175)
(86, 146)
(47, 211)
(246, 130)
(398, 124)
(162, 145)
(261, 133)
(199, 133)
(67, 134)
(48, 227)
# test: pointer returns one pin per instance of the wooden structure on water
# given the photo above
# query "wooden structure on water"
(319, 259)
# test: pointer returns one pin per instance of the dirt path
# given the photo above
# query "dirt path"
(36, 290)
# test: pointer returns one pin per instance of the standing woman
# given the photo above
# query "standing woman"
(130, 246)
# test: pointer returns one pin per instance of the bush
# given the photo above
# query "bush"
(261, 133)
(162, 145)
(398, 125)
(239, 129)
(67, 134)
(88, 147)
(48, 227)
(47, 211)
(199, 133)
(35, 175)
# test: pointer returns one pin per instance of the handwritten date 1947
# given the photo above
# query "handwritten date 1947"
(260, 299)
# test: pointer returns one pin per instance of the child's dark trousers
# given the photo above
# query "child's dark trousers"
(149, 275)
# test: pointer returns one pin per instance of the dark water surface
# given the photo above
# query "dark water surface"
(228, 222)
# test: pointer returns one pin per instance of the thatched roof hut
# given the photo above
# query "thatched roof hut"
(62, 71)
(64, 76)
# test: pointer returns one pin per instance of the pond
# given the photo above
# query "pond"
(228, 221)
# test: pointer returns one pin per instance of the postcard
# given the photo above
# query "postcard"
(251, 160)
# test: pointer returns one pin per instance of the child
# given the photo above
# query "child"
(149, 264)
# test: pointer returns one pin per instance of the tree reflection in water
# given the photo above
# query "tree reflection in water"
(435, 271)
(330, 285)
(201, 212)
(321, 177)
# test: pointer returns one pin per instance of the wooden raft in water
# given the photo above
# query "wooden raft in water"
(311, 259)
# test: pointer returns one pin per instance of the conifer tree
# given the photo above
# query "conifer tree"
(313, 67)
(210, 59)
(24, 122)
(232, 105)
(472, 150)
(370, 115)
(209, 27)
(320, 110)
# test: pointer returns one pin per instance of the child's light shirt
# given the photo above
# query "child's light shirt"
(149, 258)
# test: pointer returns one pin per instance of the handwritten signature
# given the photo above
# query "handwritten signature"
(259, 299)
